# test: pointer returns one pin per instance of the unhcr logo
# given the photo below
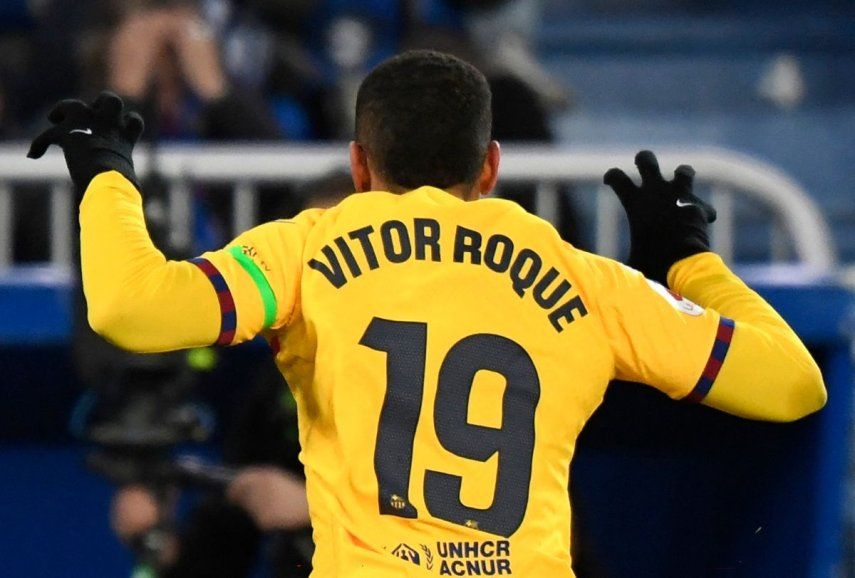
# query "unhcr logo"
(404, 552)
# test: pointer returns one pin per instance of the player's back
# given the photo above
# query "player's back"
(444, 354)
(443, 366)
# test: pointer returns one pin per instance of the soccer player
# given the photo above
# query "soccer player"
(444, 354)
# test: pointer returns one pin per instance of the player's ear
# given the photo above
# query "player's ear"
(359, 168)
(490, 170)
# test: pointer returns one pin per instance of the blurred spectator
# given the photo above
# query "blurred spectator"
(503, 32)
(223, 533)
(166, 60)
(348, 37)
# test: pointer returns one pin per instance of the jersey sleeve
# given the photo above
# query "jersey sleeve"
(768, 372)
(143, 302)
(257, 276)
(135, 297)
(656, 336)
(732, 351)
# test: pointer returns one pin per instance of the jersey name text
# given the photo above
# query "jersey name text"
(423, 240)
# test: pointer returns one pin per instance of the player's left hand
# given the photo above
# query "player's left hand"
(94, 138)
(274, 498)
(667, 222)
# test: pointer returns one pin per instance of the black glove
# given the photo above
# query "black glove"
(94, 138)
(666, 221)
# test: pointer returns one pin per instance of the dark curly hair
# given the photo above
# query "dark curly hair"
(424, 118)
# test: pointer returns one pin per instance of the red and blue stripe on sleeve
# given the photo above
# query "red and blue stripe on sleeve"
(723, 337)
(228, 314)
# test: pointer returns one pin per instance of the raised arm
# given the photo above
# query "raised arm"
(739, 355)
(136, 298)
(767, 373)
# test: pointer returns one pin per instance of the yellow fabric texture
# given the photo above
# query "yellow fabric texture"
(415, 294)
(277, 250)
(135, 297)
(769, 374)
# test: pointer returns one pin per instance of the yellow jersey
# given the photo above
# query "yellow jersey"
(444, 356)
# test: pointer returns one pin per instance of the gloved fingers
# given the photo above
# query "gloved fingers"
(684, 178)
(132, 126)
(709, 212)
(108, 105)
(620, 183)
(705, 209)
(41, 143)
(648, 168)
(65, 109)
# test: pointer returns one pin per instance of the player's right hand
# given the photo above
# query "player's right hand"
(667, 222)
(94, 138)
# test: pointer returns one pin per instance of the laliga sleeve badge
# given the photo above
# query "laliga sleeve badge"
(676, 300)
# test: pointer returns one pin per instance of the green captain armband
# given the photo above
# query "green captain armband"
(268, 298)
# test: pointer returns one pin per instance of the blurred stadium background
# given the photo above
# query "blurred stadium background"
(248, 103)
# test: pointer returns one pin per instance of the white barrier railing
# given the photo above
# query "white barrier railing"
(726, 173)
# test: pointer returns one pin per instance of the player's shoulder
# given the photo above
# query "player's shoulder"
(510, 215)
(604, 272)
(277, 230)
(302, 221)
(538, 234)
(306, 217)
(496, 205)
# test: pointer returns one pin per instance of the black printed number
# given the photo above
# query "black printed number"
(405, 344)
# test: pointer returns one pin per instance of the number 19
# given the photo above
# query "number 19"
(405, 343)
